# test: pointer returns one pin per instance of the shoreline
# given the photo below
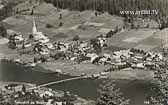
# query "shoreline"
(72, 68)
(124, 74)
(4, 83)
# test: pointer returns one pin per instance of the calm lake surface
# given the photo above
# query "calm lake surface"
(86, 88)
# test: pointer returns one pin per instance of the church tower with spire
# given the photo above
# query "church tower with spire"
(38, 35)
(34, 29)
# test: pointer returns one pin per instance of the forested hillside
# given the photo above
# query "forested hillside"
(114, 6)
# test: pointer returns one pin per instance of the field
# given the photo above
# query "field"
(85, 24)
(146, 39)
(73, 68)
(72, 21)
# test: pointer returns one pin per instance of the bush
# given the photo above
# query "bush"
(32, 12)
(31, 36)
(12, 45)
(96, 45)
(49, 26)
(76, 38)
(3, 31)
(60, 24)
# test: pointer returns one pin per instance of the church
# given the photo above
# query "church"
(38, 36)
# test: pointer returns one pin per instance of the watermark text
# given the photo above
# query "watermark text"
(140, 12)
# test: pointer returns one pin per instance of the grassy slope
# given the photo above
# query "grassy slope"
(47, 14)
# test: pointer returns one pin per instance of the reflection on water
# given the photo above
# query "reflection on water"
(86, 88)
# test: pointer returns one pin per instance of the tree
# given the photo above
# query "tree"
(164, 24)
(49, 26)
(60, 24)
(110, 95)
(158, 94)
(1, 97)
(31, 36)
(32, 12)
(3, 31)
(96, 13)
(60, 16)
(12, 44)
(24, 88)
(76, 38)
(96, 45)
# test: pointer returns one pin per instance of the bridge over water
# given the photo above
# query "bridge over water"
(59, 81)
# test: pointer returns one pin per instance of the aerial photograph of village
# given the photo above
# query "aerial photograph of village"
(83, 52)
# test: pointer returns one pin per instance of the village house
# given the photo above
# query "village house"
(50, 46)
(19, 40)
(101, 41)
(153, 56)
(139, 66)
(105, 59)
(92, 56)
(27, 43)
(44, 51)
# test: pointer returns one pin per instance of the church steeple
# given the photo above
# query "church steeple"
(37, 35)
(34, 30)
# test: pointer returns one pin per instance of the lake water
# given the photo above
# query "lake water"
(86, 88)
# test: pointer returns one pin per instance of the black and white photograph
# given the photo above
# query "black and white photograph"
(83, 52)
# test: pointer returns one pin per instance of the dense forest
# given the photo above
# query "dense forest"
(114, 6)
